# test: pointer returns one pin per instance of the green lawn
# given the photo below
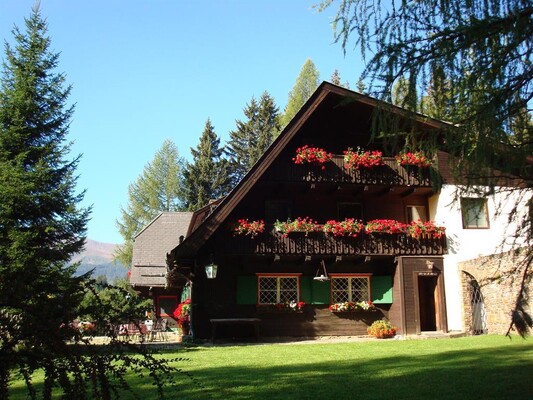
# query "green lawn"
(482, 367)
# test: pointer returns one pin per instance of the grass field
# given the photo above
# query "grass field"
(481, 367)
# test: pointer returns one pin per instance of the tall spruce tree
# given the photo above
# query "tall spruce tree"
(306, 83)
(159, 188)
(207, 177)
(41, 223)
(41, 227)
(253, 135)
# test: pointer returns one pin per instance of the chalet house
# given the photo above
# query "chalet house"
(297, 283)
(149, 267)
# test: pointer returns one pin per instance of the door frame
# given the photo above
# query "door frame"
(440, 302)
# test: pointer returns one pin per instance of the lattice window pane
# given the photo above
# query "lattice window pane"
(359, 288)
(288, 289)
(268, 290)
(278, 289)
(339, 290)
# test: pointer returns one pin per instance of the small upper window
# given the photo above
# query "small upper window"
(475, 213)
(415, 213)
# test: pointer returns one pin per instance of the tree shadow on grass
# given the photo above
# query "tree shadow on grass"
(495, 373)
(502, 372)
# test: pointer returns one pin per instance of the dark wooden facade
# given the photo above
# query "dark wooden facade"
(277, 188)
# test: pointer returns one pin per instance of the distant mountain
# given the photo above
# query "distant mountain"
(98, 257)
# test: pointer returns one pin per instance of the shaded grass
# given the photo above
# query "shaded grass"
(482, 367)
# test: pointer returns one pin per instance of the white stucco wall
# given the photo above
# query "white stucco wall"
(467, 244)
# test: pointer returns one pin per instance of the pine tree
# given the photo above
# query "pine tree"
(306, 83)
(335, 78)
(207, 177)
(159, 188)
(253, 135)
(42, 225)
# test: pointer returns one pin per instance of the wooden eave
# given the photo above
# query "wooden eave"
(191, 244)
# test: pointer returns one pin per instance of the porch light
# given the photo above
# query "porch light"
(211, 270)
(322, 277)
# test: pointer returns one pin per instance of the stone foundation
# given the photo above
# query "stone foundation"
(498, 279)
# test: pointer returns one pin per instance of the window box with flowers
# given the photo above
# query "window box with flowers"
(362, 159)
(418, 229)
(249, 228)
(182, 314)
(414, 159)
(350, 227)
(303, 225)
(349, 306)
(312, 155)
(388, 226)
(288, 307)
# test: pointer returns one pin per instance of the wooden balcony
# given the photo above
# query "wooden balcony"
(390, 174)
(320, 244)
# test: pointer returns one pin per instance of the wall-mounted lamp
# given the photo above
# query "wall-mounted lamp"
(211, 270)
(430, 264)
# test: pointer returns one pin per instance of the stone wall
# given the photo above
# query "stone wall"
(498, 278)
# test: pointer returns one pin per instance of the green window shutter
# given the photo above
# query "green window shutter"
(305, 289)
(246, 290)
(320, 292)
(382, 289)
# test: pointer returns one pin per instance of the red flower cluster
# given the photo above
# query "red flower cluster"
(304, 224)
(417, 159)
(429, 228)
(362, 159)
(312, 155)
(249, 228)
(348, 227)
(385, 226)
(182, 312)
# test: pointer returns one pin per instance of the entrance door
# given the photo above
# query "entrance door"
(427, 294)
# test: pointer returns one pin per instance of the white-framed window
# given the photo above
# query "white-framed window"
(475, 213)
(353, 288)
(415, 213)
(278, 288)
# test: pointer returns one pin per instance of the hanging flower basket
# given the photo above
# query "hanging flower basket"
(388, 226)
(249, 228)
(305, 225)
(415, 159)
(418, 229)
(350, 227)
(312, 155)
(362, 159)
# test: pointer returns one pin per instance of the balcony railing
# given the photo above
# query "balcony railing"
(320, 244)
(389, 174)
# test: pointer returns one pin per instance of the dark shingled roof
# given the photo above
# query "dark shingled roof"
(152, 244)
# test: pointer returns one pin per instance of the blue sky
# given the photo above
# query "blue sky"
(146, 70)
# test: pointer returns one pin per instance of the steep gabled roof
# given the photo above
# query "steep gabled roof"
(196, 239)
(152, 244)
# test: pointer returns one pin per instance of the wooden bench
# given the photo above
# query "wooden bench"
(234, 321)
